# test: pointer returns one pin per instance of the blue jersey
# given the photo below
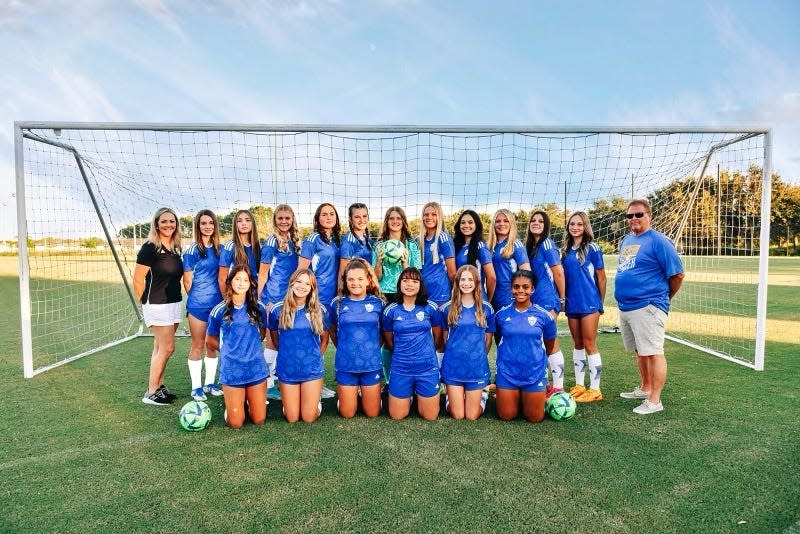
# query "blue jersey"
(358, 333)
(435, 274)
(299, 354)
(241, 353)
(484, 258)
(545, 294)
(580, 279)
(204, 293)
(521, 357)
(324, 259)
(504, 268)
(414, 351)
(227, 258)
(354, 247)
(465, 356)
(282, 264)
(646, 263)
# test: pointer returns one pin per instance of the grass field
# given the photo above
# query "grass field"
(79, 451)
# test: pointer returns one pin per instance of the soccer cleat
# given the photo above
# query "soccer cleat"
(273, 392)
(167, 394)
(647, 407)
(590, 395)
(327, 393)
(213, 389)
(155, 399)
(549, 390)
(198, 395)
(577, 390)
(637, 393)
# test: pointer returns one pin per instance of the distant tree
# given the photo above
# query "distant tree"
(92, 242)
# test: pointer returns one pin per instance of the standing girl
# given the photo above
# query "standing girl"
(279, 257)
(157, 285)
(586, 291)
(201, 282)
(468, 325)
(356, 243)
(241, 322)
(242, 249)
(395, 226)
(412, 329)
(438, 254)
(356, 332)
(508, 255)
(549, 293)
(527, 333)
(298, 327)
(472, 250)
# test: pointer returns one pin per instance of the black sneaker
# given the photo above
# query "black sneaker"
(155, 399)
(167, 394)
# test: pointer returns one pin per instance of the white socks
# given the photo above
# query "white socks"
(579, 363)
(211, 369)
(439, 357)
(556, 361)
(595, 370)
(270, 356)
(195, 373)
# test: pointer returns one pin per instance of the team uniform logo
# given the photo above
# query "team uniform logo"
(627, 258)
(420, 316)
(369, 307)
(532, 321)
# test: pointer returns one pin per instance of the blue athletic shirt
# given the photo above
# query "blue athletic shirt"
(521, 356)
(545, 294)
(435, 274)
(241, 352)
(354, 247)
(358, 333)
(504, 268)
(580, 280)
(282, 264)
(646, 263)
(465, 356)
(324, 259)
(204, 293)
(484, 258)
(414, 352)
(299, 355)
(227, 257)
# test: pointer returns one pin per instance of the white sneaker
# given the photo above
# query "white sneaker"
(647, 407)
(637, 393)
(327, 393)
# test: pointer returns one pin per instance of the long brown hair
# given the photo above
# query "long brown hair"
(239, 254)
(586, 238)
(250, 299)
(198, 237)
(454, 314)
(291, 305)
(294, 233)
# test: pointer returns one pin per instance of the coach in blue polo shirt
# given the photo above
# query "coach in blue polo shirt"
(649, 274)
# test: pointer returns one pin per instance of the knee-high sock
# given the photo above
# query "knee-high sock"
(386, 354)
(195, 373)
(211, 369)
(595, 370)
(579, 362)
(556, 362)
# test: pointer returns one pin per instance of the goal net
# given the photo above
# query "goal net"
(87, 193)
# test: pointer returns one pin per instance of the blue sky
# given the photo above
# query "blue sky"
(448, 62)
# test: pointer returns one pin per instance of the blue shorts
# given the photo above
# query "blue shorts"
(580, 315)
(247, 385)
(423, 384)
(504, 382)
(199, 313)
(472, 385)
(296, 382)
(369, 378)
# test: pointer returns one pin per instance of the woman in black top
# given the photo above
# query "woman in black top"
(157, 284)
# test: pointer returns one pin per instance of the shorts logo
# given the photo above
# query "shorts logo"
(532, 321)
(369, 307)
(420, 316)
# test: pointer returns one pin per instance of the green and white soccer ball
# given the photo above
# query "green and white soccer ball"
(393, 251)
(195, 416)
(560, 406)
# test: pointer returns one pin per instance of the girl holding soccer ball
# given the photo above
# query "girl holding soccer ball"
(241, 322)
(298, 327)
(527, 334)
(201, 282)
(412, 329)
(356, 332)
(388, 269)
(585, 289)
(243, 248)
(157, 285)
(279, 257)
(468, 325)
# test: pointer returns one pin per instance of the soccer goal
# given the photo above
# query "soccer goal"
(86, 194)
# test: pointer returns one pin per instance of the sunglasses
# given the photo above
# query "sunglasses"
(638, 215)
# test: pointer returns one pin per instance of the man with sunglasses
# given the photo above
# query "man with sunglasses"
(649, 274)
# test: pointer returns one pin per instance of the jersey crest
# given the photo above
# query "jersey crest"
(531, 320)
(420, 316)
(369, 307)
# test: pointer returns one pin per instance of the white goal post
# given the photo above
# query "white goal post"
(86, 193)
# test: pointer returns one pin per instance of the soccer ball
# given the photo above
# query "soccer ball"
(560, 406)
(195, 416)
(393, 251)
